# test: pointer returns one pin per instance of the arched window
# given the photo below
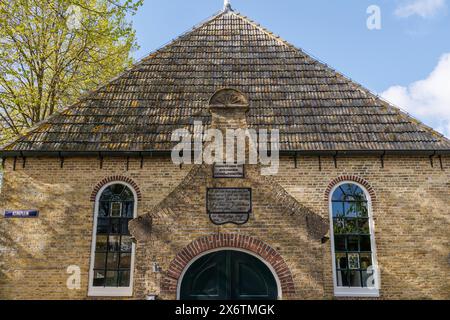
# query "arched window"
(112, 257)
(353, 247)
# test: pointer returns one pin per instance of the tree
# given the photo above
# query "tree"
(53, 51)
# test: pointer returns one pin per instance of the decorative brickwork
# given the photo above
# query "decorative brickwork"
(350, 178)
(116, 179)
(238, 241)
(317, 225)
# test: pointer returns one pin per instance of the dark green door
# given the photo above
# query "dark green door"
(228, 275)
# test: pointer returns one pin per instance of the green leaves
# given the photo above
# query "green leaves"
(51, 51)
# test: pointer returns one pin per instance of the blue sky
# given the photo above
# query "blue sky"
(397, 61)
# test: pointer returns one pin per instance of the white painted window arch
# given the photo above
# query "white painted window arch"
(112, 250)
(354, 260)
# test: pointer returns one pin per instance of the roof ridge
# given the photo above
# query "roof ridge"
(184, 34)
(266, 31)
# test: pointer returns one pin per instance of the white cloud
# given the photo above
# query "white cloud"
(422, 8)
(428, 99)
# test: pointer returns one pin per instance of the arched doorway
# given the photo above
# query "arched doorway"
(228, 275)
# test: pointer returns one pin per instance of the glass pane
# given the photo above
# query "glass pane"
(111, 278)
(339, 243)
(116, 189)
(338, 195)
(364, 226)
(352, 243)
(367, 279)
(343, 278)
(365, 243)
(126, 244)
(127, 195)
(125, 226)
(366, 260)
(351, 226)
(99, 278)
(355, 279)
(362, 209)
(353, 191)
(353, 261)
(116, 209)
(347, 191)
(102, 225)
(114, 243)
(125, 261)
(338, 209)
(113, 261)
(341, 260)
(124, 278)
(358, 193)
(128, 208)
(339, 226)
(351, 209)
(115, 226)
(106, 195)
(102, 243)
(103, 209)
(99, 261)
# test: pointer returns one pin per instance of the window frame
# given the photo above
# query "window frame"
(354, 291)
(110, 291)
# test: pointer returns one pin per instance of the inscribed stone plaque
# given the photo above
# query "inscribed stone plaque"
(228, 171)
(229, 205)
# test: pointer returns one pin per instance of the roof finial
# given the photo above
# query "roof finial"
(227, 6)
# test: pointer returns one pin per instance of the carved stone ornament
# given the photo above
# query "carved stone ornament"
(228, 98)
(141, 227)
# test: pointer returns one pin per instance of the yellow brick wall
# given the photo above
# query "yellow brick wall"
(411, 216)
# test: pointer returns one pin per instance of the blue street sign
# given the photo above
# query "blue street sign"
(21, 213)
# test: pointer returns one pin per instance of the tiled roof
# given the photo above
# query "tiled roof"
(315, 108)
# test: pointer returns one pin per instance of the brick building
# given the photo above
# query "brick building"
(359, 206)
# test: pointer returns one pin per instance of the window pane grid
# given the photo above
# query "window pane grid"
(113, 249)
(352, 244)
(117, 247)
(354, 226)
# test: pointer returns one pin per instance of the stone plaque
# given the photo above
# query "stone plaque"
(229, 205)
(228, 171)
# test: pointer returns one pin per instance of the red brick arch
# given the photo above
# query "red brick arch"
(116, 179)
(350, 178)
(271, 256)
